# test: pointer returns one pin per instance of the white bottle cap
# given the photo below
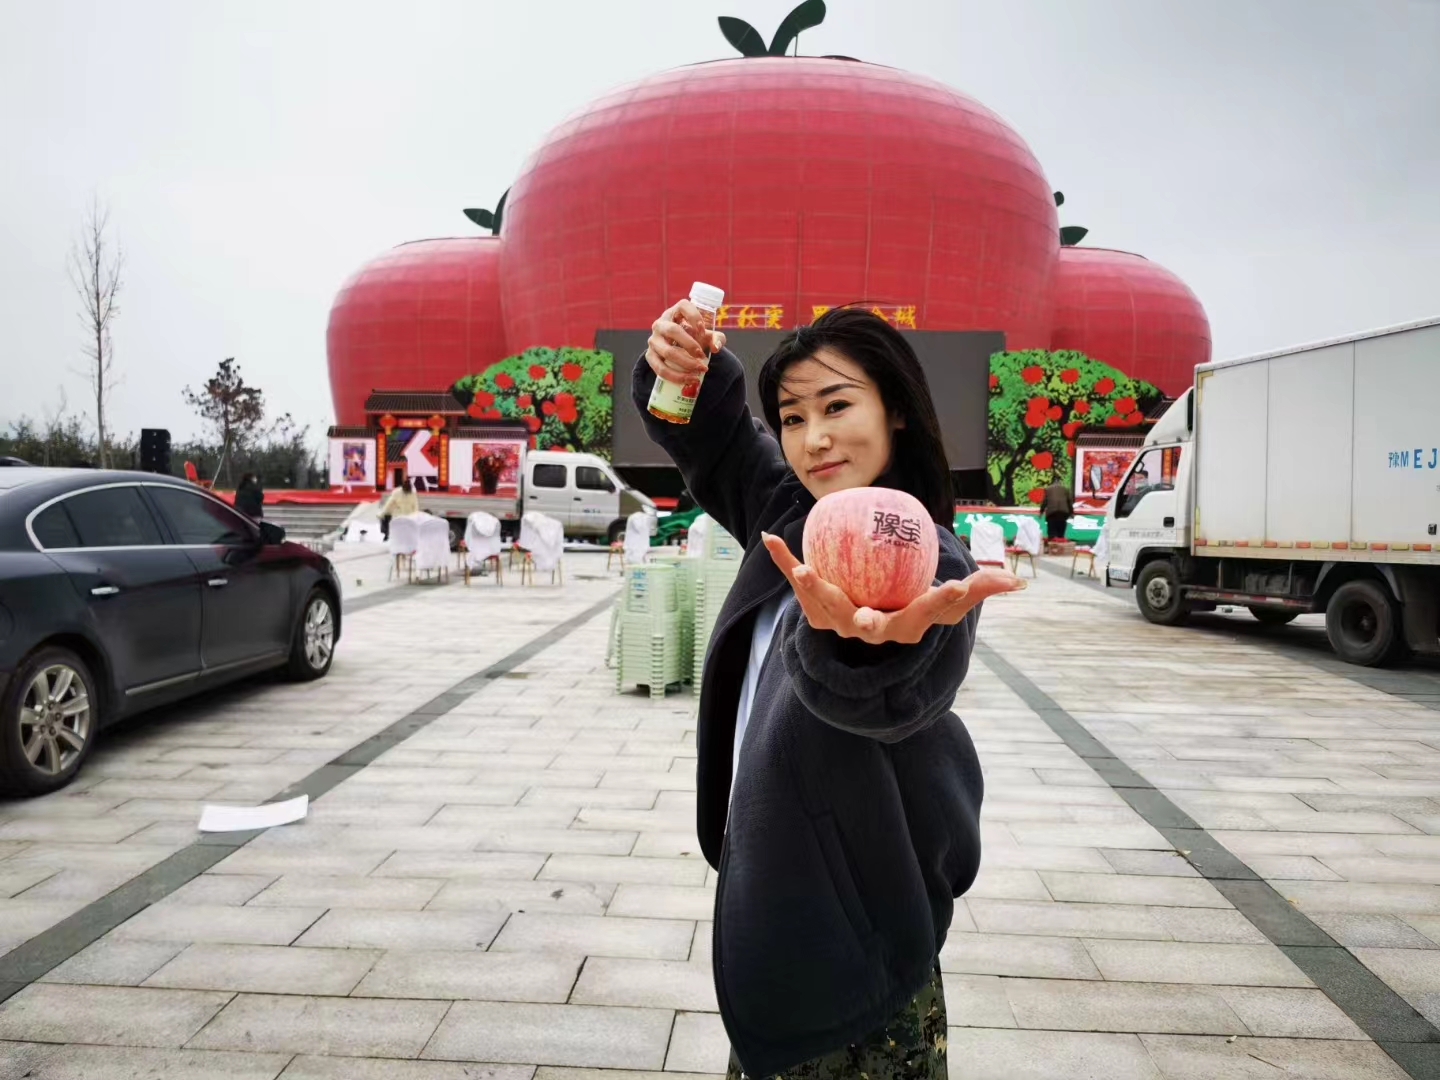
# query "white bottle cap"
(707, 296)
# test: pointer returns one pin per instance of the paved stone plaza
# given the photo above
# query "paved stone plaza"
(513, 889)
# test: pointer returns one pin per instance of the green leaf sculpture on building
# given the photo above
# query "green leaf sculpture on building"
(748, 41)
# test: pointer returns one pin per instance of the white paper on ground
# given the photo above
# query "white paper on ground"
(242, 818)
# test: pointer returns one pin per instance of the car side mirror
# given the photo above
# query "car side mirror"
(270, 533)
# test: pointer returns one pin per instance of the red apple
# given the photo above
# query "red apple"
(877, 544)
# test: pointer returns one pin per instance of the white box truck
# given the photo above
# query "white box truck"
(1306, 480)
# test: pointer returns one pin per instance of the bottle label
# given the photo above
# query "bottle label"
(671, 401)
(675, 401)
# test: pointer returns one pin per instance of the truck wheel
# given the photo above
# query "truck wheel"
(1363, 624)
(1274, 616)
(1158, 594)
(616, 530)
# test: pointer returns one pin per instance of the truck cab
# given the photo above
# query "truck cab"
(583, 492)
(1151, 513)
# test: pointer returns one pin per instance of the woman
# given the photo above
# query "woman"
(250, 497)
(838, 797)
(398, 503)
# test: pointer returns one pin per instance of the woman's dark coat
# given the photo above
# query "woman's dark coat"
(855, 821)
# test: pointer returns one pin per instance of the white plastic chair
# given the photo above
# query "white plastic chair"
(404, 541)
(987, 542)
(433, 551)
(637, 538)
(695, 535)
(543, 540)
(482, 543)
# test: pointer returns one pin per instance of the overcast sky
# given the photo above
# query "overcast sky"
(1282, 156)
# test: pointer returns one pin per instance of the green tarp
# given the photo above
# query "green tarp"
(1083, 528)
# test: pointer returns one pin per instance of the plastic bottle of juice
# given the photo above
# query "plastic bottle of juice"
(673, 401)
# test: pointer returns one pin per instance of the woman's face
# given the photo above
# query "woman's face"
(834, 428)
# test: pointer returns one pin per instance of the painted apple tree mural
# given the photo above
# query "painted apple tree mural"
(1039, 401)
(562, 395)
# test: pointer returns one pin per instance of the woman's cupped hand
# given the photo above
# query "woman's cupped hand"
(826, 606)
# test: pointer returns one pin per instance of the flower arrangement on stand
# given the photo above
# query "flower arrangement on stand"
(489, 466)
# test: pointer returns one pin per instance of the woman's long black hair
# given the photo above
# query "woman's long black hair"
(917, 463)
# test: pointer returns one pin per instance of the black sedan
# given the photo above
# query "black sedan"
(120, 591)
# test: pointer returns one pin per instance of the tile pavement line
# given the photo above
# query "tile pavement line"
(1409, 1038)
(388, 595)
(26, 963)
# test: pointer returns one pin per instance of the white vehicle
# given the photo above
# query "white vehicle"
(582, 491)
(1306, 480)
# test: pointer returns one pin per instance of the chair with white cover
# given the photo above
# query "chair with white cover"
(404, 541)
(1027, 543)
(542, 538)
(987, 542)
(432, 554)
(1099, 552)
(482, 544)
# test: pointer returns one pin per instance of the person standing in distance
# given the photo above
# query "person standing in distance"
(1056, 507)
(250, 497)
(398, 503)
(838, 795)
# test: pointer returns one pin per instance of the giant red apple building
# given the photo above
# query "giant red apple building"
(796, 184)
(421, 315)
(1130, 312)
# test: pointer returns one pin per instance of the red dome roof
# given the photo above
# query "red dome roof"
(788, 181)
(1131, 313)
(418, 317)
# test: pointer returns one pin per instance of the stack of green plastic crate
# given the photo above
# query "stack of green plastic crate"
(715, 573)
(685, 576)
(649, 631)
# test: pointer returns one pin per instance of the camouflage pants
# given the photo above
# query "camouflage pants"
(910, 1047)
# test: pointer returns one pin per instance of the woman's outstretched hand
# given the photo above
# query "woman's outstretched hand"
(826, 606)
(680, 346)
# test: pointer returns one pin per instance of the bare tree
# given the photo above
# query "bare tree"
(95, 264)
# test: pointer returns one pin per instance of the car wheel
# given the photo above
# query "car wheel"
(616, 531)
(1363, 624)
(314, 646)
(1274, 616)
(1158, 594)
(48, 720)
